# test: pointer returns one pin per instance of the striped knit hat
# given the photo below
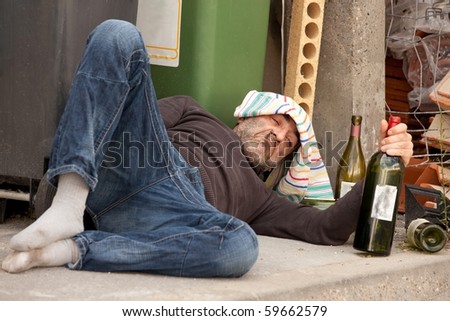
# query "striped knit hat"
(307, 176)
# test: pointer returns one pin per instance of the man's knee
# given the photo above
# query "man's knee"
(114, 26)
(240, 253)
(117, 32)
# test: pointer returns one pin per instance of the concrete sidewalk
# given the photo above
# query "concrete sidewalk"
(285, 270)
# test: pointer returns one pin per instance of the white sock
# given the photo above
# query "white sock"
(54, 254)
(62, 220)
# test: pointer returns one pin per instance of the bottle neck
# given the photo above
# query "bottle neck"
(355, 131)
(393, 121)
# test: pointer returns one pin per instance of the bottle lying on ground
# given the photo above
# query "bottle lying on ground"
(426, 235)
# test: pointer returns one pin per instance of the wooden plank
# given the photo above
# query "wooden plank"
(396, 94)
(398, 105)
(394, 68)
(396, 63)
(443, 147)
(398, 84)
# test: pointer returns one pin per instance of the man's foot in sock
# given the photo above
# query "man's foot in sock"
(54, 225)
(56, 254)
(62, 220)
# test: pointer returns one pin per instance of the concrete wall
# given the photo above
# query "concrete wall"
(351, 75)
(350, 78)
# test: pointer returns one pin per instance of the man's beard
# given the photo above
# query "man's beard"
(257, 150)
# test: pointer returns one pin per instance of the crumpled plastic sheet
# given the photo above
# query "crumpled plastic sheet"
(418, 31)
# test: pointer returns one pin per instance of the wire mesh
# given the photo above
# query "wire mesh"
(417, 59)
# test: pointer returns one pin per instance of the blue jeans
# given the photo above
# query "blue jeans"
(146, 202)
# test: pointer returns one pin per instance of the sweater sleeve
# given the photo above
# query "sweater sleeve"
(332, 226)
(173, 109)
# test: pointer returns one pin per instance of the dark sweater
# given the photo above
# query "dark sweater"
(233, 187)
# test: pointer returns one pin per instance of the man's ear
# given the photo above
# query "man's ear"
(240, 120)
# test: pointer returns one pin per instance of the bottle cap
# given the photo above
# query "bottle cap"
(356, 120)
(394, 121)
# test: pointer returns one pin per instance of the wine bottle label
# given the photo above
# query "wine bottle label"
(345, 187)
(384, 202)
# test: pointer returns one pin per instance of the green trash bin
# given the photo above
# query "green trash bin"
(222, 52)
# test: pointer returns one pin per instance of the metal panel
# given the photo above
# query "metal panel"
(41, 45)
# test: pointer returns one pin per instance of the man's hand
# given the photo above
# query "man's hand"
(397, 142)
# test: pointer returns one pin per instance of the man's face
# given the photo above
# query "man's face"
(267, 140)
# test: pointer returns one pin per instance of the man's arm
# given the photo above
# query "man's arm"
(332, 226)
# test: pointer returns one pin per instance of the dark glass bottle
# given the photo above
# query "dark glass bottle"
(426, 236)
(352, 166)
(382, 186)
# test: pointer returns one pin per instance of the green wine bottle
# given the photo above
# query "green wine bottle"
(382, 186)
(426, 236)
(352, 166)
